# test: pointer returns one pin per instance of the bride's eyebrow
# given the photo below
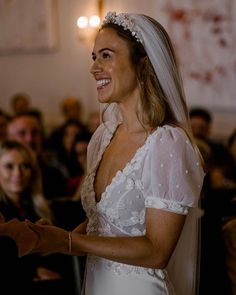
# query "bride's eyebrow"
(104, 49)
(101, 50)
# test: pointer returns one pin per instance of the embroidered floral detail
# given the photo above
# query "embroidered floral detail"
(124, 269)
(124, 20)
(130, 184)
(169, 205)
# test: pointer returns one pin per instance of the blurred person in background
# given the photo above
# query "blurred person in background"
(214, 203)
(64, 156)
(201, 122)
(27, 128)
(20, 102)
(79, 153)
(21, 197)
(229, 227)
(4, 120)
(71, 109)
(93, 121)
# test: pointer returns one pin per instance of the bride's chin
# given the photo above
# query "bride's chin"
(103, 99)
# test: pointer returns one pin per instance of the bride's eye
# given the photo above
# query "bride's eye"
(106, 55)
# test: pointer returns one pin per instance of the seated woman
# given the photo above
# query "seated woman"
(21, 198)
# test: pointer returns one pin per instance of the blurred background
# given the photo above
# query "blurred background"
(44, 53)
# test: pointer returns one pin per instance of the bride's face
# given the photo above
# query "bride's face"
(112, 68)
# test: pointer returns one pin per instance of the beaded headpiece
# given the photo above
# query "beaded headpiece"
(124, 20)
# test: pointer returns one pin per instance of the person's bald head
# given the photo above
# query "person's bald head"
(71, 108)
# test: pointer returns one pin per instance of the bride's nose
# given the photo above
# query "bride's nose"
(96, 67)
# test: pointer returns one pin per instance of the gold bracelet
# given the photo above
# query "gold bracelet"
(70, 241)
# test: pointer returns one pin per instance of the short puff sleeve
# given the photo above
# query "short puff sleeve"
(176, 172)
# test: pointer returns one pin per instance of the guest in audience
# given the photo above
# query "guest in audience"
(4, 119)
(232, 146)
(229, 227)
(201, 121)
(216, 195)
(229, 235)
(26, 128)
(93, 121)
(79, 153)
(20, 102)
(21, 197)
(201, 124)
(71, 109)
(64, 157)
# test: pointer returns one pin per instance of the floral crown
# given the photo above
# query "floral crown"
(124, 20)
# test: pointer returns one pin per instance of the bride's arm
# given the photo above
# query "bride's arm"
(53, 239)
(152, 250)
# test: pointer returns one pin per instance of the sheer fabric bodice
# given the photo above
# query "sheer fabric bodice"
(164, 173)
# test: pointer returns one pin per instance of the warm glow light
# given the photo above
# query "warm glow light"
(82, 22)
(94, 21)
(88, 25)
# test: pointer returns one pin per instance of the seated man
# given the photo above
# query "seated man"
(27, 128)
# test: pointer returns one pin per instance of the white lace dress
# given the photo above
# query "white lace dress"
(165, 173)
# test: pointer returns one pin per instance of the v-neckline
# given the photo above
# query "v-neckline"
(118, 172)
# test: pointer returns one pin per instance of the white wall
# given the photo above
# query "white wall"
(49, 76)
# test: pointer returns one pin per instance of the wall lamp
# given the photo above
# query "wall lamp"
(88, 25)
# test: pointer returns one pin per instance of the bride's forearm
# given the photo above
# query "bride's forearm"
(137, 251)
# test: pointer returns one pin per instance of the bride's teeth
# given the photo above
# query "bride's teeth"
(103, 82)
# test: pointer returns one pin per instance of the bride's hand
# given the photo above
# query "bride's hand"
(25, 238)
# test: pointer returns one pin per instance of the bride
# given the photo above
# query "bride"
(144, 172)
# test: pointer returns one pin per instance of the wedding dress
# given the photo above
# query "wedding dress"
(164, 173)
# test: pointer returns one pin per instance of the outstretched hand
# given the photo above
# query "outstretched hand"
(25, 238)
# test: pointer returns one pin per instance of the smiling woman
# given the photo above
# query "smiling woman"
(21, 197)
(144, 172)
(20, 178)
